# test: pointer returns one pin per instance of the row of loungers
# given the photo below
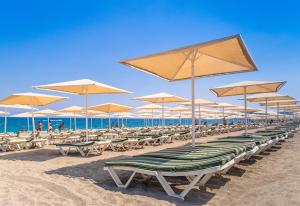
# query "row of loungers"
(198, 164)
(13, 144)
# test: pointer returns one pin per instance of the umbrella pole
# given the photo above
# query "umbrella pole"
(199, 119)
(152, 119)
(74, 121)
(277, 112)
(33, 126)
(245, 105)
(266, 113)
(5, 120)
(109, 125)
(91, 122)
(86, 116)
(193, 101)
(163, 115)
(28, 124)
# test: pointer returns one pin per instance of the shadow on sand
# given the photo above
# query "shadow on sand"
(94, 172)
(38, 155)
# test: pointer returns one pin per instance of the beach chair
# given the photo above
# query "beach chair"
(193, 163)
(84, 148)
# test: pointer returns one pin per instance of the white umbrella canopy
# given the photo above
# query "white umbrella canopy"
(31, 99)
(280, 102)
(266, 97)
(161, 98)
(82, 87)
(75, 110)
(15, 106)
(200, 103)
(150, 107)
(245, 88)
(111, 108)
(222, 56)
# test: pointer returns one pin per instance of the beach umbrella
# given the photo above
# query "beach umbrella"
(161, 98)
(199, 103)
(75, 110)
(101, 116)
(218, 57)
(150, 107)
(266, 97)
(110, 108)
(245, 88)
(82, 87)
(5, 119)
(46, 112)
(222, 106)
(26, 115)
(179, 109)
(31, 99)
(16, 106)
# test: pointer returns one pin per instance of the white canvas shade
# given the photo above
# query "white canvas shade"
(245, 88)
(82, 87)
(218, 57)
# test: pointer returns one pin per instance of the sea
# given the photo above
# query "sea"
(15, 124)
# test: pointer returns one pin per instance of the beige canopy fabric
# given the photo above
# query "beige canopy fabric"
(31, 99)
(46, 112)
(251, 87)
(82, 87)
(222, 56)
(161, 98)
(280, 102)
(248, 87)
(178, 109)
(149, 107)
(268, 96)
(200, 102)
(72, 109)
(240, 108)
(110, 108)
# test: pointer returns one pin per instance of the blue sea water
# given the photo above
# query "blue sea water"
(15, 124)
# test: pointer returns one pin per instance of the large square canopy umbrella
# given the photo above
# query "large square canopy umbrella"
(16, 106)
(199, 103)
(150, 107)
(82, 87)
(31, 99)
(247, 87)
(75, 110)
(266, 97)
(222, 56)
(111, 108)
(161, 98)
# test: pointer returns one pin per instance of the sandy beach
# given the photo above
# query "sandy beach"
(44, 177)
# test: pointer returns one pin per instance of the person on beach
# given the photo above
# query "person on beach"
(39, 128)
(49, 130)
(61, 127)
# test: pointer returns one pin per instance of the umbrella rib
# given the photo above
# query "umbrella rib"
(224, 60)
(180, 66)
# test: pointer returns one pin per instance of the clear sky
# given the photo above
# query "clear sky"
(52, 41)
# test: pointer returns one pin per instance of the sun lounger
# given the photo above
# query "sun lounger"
(84, 148)
(197, 164)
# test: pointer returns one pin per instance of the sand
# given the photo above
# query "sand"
(44, 177)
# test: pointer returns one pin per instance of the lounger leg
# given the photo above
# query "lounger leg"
(81, 152)
(171, 192)
(117, 180)
(62, 151)
(205, 179)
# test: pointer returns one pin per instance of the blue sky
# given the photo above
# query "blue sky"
(52, 41)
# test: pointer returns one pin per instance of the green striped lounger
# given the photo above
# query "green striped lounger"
(84, 148)
(197, 164)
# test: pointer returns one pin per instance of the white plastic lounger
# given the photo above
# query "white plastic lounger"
(194, 177)
(84, 148)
